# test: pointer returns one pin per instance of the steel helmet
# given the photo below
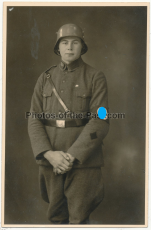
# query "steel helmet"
(71, 30)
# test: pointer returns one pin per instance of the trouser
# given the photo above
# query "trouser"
(72, 196)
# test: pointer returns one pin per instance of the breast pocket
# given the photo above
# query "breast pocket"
(47, 98)
(84, 101)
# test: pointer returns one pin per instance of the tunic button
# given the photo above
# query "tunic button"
(48, 75)
(61, 91)
(63, 81)
(44, 95)
(76, 85)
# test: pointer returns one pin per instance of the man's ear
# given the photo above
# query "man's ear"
(58, 51)
(82, 49)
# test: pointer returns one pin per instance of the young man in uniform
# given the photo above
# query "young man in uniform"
(68, 149)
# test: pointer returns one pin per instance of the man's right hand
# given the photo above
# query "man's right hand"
(58, 160)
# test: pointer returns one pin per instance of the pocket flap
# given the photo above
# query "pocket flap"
(84, 95)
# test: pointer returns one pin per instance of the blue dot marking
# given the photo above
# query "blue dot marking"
(102, 112)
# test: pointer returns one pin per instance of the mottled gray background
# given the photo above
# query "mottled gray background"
(116, 37)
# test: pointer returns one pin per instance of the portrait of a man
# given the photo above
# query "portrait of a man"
(75, 143)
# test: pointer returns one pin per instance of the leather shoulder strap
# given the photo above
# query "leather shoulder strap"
(50, 68)
(55, 91)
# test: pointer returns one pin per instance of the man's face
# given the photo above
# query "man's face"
(70, 49)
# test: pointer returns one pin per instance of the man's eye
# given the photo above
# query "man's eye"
(64, 42)
(75, 42)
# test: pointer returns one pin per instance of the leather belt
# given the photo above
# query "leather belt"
(65, 123)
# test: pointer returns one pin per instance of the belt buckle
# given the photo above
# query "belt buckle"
(60, 123)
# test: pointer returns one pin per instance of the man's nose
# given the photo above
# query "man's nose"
(70, 46)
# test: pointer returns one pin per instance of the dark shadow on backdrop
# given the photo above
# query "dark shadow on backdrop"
(116, 37)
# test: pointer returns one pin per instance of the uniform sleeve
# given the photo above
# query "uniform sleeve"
(37, 133)
(96, 129)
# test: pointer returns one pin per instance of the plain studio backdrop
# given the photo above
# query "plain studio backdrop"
(116, 38)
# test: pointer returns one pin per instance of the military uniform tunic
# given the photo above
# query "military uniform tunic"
(83, 89)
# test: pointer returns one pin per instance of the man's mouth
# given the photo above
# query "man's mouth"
(70, 54)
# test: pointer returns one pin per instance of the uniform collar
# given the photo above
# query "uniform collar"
(72, 66)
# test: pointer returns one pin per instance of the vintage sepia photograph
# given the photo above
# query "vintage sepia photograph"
(75, 115)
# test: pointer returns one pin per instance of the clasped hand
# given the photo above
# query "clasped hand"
(61, 162)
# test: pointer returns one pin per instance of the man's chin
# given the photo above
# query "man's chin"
(70, 59)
